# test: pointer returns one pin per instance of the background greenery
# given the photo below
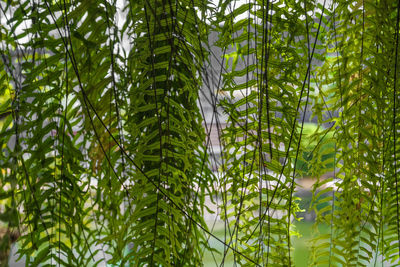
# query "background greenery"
(105, 152)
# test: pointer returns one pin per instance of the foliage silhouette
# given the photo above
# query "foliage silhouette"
(106, 153)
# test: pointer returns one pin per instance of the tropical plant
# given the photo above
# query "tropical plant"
(311, 140)
(105, 154)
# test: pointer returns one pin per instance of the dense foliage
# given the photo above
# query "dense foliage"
(105, 152)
